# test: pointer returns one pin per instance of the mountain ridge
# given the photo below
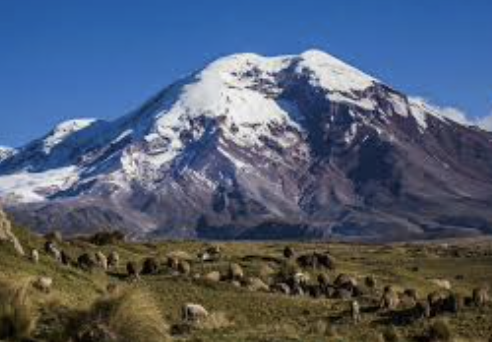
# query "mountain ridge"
(251, 144)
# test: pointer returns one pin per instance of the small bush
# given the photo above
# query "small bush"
(216, 321)
(55, 236)
(440, 332)
(391, 335)
(17, 315)
(265, 273)
(53, 321)
(107, 238)
(131, 316)
(323, 327)
(288, 252)
(286, 331)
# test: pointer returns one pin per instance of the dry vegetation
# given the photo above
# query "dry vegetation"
(108, 306)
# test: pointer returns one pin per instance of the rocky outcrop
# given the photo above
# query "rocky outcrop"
(6, 234)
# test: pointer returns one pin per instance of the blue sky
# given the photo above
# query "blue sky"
(64, 59)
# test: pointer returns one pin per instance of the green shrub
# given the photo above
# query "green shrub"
(104, 238)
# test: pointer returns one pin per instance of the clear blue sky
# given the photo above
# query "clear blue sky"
(63, 59)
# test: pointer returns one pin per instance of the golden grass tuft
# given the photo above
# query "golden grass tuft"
(216, 321)
(322, 327)
(440, 331)
(390, 334)
(17, 314)
(130, 316)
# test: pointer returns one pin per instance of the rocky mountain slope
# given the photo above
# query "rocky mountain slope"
(252, 147)
(6, 152)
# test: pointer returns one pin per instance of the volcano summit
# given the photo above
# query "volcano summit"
(253, 147)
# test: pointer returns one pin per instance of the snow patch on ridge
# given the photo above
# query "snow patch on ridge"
(421, 108)
(63, 130)
(333, 74)
(36, 187)
(6, 152)
(486, 123)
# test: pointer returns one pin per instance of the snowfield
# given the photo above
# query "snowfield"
(35, 187)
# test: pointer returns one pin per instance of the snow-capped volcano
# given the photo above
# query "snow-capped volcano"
(259, 147)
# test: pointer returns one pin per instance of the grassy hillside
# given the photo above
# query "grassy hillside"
(244, 315)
